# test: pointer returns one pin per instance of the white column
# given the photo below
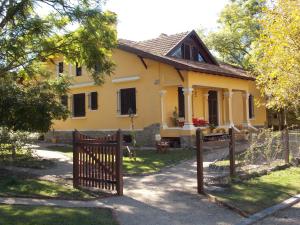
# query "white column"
(228, 95)
(162, 106)
(188, 123)
(246, 108)
(206, 114)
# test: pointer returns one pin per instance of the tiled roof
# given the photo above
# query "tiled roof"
(158, 48)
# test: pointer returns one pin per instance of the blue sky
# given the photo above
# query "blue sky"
(144, 19)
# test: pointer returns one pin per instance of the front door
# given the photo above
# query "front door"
(213, 107)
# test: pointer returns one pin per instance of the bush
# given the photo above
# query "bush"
(11, 142)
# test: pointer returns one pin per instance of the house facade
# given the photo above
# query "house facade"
(160, 86)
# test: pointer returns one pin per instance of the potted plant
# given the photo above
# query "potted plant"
(175, 117)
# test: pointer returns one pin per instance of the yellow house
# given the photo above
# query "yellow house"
(163, 84)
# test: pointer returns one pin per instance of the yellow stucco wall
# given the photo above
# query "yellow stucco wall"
(157, 77)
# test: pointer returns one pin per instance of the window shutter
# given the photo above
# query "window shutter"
(118, 101)
(79, 105)
(78, 70)
(251, 106)
(60, 67)
(181, 112)
(94, 100)
(89, 101)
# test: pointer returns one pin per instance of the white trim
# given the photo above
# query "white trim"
(99, 130)
(127, 115)
(78, 117)
(84, 84)
(126, 79)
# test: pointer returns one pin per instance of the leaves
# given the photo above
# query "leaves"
(29, 39)
(277, 55)
(239, 27)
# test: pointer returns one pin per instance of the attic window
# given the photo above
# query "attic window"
(189, 52)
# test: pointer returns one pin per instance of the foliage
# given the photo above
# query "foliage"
(239, 28)
(31, 106)
(27, 37)
(49, 215)
(32, 34)
(13, 142)
(277, 55)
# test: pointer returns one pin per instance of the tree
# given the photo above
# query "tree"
(29, 37)
(277, 55)
(239, 28)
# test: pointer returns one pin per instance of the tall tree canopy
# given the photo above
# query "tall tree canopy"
(33, 32)
(239, 28)
(277, 55)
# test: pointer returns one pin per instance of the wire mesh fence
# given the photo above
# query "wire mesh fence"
(254, 153)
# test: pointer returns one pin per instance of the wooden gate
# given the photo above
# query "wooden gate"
(97, 162)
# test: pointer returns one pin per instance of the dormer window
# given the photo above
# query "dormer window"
(188, 52)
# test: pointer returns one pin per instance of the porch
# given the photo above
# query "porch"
(215, 109)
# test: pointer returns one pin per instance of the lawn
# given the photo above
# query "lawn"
(24, 158)
(24, 185)
(261, 192)
(46, 215)
(147, 161)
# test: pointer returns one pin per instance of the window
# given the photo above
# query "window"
(64, 100)
(251, 106)
(97, 67)
(79, 105)
(78, 70)
(93, 100)
(187, 51)
(195, 54)
(178, 53)
(127, 101)
(60, 67)
(181, 112)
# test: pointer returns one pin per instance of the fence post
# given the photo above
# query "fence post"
(75, 161)
(119, 163)
(199, 145)
(232, 152)
(286, 145)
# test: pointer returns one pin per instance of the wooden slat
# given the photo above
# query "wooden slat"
(99, 161)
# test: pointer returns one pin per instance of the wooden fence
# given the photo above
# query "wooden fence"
(97, 162)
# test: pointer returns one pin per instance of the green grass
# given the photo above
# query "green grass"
(24, 158)
(259, 193)
(46, 215)
(23, 185)
(149, 161)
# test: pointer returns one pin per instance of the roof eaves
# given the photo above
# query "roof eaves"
(177, 65)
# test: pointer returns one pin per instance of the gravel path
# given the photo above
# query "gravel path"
(289, 216)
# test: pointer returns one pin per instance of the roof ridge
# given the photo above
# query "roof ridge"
(166, 36)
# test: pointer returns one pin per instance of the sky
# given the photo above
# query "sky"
(145, 19)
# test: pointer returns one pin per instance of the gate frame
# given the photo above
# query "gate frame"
(118, 161)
